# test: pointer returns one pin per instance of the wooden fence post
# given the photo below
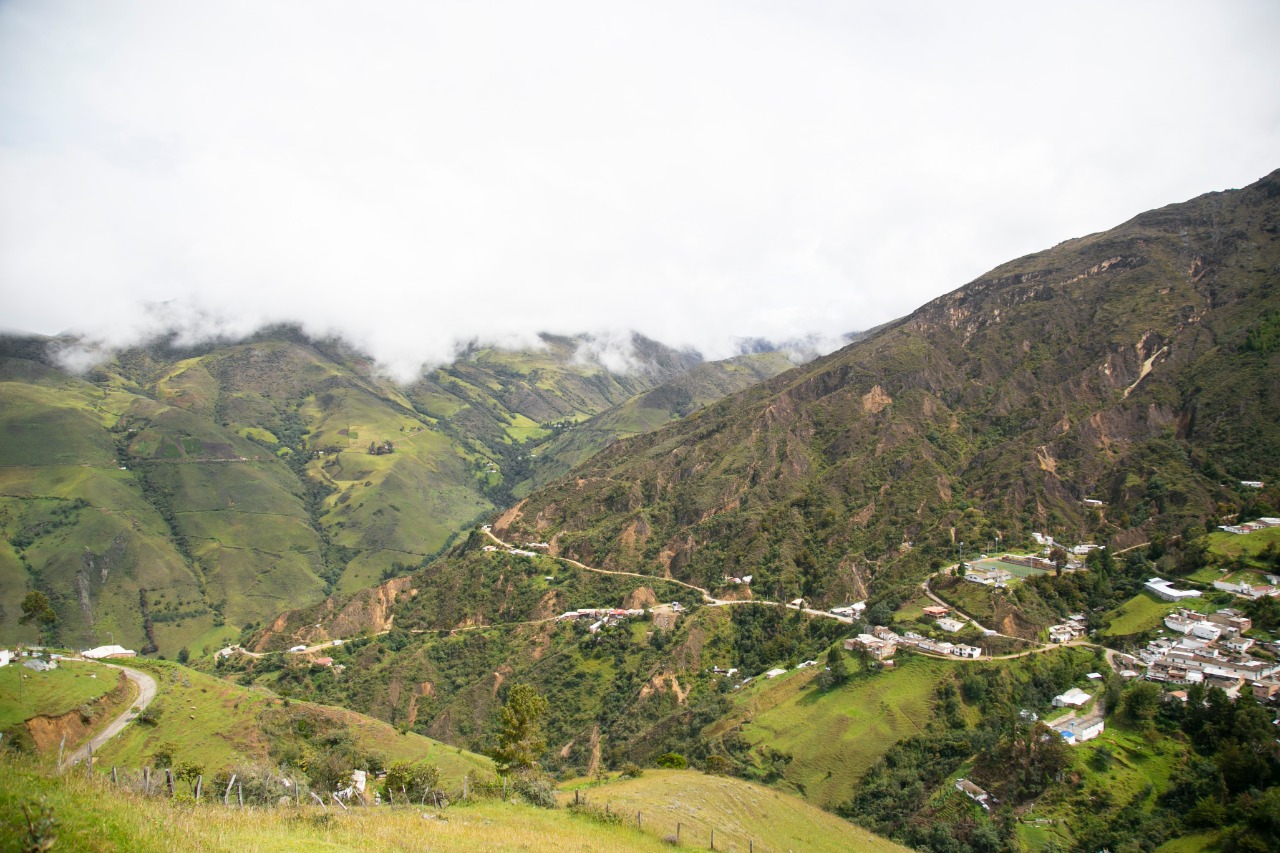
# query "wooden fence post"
(60, 748)
(240, 793)
(168, 778)
(88, 765)
(320, 801)
(713, 838)
(115, 780)
(199, 784)
(146, 781)
(226, 797)
(677, 833)
(338, 801)
(638, 824)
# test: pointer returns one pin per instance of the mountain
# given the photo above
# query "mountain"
(174, 494)
(1136, 367)
(670, 401)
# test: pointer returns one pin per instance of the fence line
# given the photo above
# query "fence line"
(263, 795)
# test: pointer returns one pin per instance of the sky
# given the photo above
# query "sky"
(415, 175)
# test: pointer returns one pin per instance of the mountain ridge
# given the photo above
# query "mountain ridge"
(1059, 376)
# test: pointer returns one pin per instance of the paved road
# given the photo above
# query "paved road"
(146, 692)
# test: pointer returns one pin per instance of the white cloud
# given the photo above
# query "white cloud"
(419, 174)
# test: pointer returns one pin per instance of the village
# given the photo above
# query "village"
(1211, 650)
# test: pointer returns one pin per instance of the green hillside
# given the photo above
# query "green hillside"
(171, 495)
(218, 725)
(25, 694)
(675, 399)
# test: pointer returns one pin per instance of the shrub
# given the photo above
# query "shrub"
(536, 790)
(672, 760)
(632, 770)
(416, 781)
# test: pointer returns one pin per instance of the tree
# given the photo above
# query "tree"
(837, 671)
(1141, 702)
(1058, 556)
(36, 608)
(520, 740)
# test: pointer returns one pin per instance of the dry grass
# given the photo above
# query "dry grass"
(742, 814)
(90, 815)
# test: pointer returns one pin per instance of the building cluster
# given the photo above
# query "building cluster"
(1072, 629)
(998, 578)
(745, 579)
(1212, 650)
(1248, 590)
(849, 611)
(1250, 526)
(882, 643)
(602, 616)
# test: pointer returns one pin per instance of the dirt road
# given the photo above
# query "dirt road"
(146, 692)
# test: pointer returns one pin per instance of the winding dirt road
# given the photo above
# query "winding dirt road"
(146, 692)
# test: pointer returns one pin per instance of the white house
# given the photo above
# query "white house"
(774, 673)
(113, 651)
(963, 651)
(5, 657)
(1075, 698)
(974, 793)
(1162, 588)
(951, 625)
(1073, 735)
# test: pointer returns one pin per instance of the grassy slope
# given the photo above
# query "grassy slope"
(834, 736)
(738, 811)
(1140, 759)
(656, 408)
(92, 816)
(1144, 611)
(218, 724)
(49, 693)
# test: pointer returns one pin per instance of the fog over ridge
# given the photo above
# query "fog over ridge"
(416, 176)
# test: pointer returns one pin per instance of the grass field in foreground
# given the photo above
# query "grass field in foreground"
(742, 814)
(92, 816)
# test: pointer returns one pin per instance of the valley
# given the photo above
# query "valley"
(1000, 575)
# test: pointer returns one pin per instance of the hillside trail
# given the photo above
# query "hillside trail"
(147, 688)
(707, 597)
(711, 601)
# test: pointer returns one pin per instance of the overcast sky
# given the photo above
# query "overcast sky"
(418, 173)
